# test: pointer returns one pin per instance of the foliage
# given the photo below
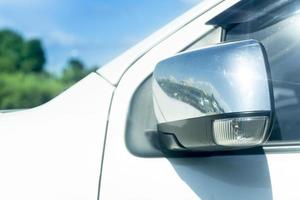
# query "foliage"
(19, 90)
(24, 83)
(17, 54)
(32, 55)
(74, 71)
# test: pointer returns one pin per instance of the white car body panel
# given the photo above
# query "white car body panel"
(162, 178)
(54, 151)
(124, 176)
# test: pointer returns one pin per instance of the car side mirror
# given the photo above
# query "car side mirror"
(215, 98)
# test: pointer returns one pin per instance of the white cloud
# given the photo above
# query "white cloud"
(74, 53)
(191, 2)
(64, 38)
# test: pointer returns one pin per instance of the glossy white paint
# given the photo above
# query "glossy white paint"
(127, 177)
(114, 70)
(283, 168)
(54, 151)
(270, 176)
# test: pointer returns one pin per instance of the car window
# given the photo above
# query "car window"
(276, 25)
(212, 37)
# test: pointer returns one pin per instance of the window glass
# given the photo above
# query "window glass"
(277, 26)
(212, 37)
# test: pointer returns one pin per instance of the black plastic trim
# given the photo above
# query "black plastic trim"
(197, 134)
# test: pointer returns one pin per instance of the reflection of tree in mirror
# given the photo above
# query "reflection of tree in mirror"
(200, 97)
(24, 81)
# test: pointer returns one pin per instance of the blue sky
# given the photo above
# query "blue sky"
(93, 30)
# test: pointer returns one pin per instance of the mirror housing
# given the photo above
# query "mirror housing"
(214, 98)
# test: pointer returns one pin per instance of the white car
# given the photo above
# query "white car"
(104, 137)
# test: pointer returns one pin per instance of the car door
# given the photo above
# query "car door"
(133, 166)
(275, 25)
(54, 151)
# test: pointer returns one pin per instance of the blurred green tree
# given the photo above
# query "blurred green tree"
(20, 90)
(17, 54)
(33, 57)
(11, 44)
(74, 71)
(24, 82)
